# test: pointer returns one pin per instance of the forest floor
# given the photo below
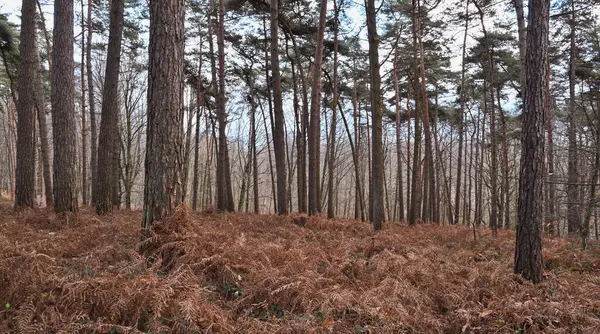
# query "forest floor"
(243, 273)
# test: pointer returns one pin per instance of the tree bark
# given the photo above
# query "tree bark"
(314, 137)
(63, 109)
(108, 144)
(224, 191)
(377, 204)
(278, 130)
(164, 127)
(28, 65)
(528, 249)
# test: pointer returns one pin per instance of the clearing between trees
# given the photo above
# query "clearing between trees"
(244, 273)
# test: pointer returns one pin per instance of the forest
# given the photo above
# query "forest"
(299, 166)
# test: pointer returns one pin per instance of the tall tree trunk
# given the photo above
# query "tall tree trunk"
(187, 150)
(415, 196)
(528, 249)
(28, 65)
(573, 214)
(314, 136)
(377, 204)
(254, 158)
(63, 109)
(278, 133)
(92, 107)
(461, 127)
(43, 127)
(108, 144)
(199, 99)
(359, 203)
(84, 179)
(428, 170)
(399, 183)
(330, 197)
(224, 191)
(164, 125)
(551, 216)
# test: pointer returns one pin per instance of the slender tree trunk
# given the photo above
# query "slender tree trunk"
(461, 127)
(330, 198)
(314, 137)
(573, 214)
(528, 249)
(377, 204)
(92, 107)
(108, 143)
(165, 89)
(428, 170)
(224, 190)
(254, 158)
(278, 133)
(28, 65)
(43, 127)
(399, 183)
(199, 98)
(84, 180)
(551, 215)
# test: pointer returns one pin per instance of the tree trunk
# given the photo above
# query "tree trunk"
(92, 108)
(377, 204)
(84, 173)
(528, 249)
(43, 127)
(461, 127)
(199, 99)
(330, 186)
(63, 109)
(573, 214)
(314, 137)
(28, 65)
(224, 191)
(164, 127)
(428, 169)
(108, 145)
(278, 131)
(399, 183)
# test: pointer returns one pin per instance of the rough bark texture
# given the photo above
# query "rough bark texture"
(63, 109)
(528, 249)
(278, 133)
(25, 171)
(110, 105)
(314, 135)
(224, 191)
(164, 124)
(377, 205)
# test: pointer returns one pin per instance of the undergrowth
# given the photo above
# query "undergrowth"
(243, 273)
